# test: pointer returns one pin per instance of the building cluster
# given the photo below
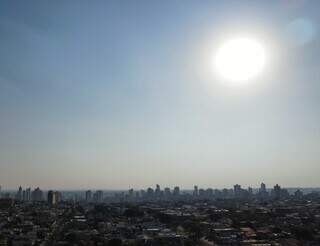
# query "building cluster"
(150, 194)
(28, 195)
(95, 197)
(54, 197)
(176, 194)
(163, 217)
(35, 195)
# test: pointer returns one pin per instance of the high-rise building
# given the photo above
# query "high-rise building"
(237, 190)
(142, 193)
(19, 194)
(28, 194)
(24, 194)
(263, 188)
(195, 191)
(263, 193)
(58, 196)
(98, 196)
(298, 194)
(88, 196)
(167, 192)
(54, 197)
(202, 193)
(176, 191)
(158, 190)
(209, 193)
(131, 194)
(137, 194)
(37, 195)
(51, 197)
(276, 192)
(150, 192)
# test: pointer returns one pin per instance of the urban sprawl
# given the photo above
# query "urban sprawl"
(155, 217)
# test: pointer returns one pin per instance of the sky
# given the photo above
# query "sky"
(121, 94)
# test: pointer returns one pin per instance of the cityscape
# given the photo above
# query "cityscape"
(156, 216)
(160, 123)
(150, 194)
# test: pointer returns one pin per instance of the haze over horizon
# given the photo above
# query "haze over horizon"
(109, 94)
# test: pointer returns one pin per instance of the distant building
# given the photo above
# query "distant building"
(37, 195)
(142, 193)
(158, 190)
(209, 193)
(298, 194)
(88, 196)
(28, 194)
(130, 194)
(263, 188)
(276, 192)
(52, 197)
(137, 194)
(19, 194)
(195, 191)
(24, 194)
(150, 192)
(167, 192)
(176, 191)
(250, 191)
(263, 193)
(98, 196)
(237, 190)
(202, 193)
(226, 193)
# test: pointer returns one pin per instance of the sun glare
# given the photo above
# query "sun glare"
(240, 60)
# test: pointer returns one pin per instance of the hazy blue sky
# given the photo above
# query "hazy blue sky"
(118, 94)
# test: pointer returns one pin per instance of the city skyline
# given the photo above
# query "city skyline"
(161, 217)
(159, 122)
(109, 94)
(254, 187)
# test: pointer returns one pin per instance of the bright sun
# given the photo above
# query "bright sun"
(240, 60)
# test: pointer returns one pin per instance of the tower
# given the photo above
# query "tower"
(263, 188)
(19, 194)
(88, 196)
(51, 197)
(195, 191)
(237, 190)
(176, 191)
